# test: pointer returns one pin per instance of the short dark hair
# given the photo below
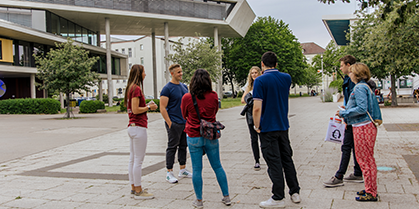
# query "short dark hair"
(173, 66)
(348, 59)
(269, 59)
(200, 83)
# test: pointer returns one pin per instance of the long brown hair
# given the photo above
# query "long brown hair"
(135, 78)
(200, 83)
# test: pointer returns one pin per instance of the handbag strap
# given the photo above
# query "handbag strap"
(196, 106)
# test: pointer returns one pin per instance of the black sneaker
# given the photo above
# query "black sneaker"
(361, 193)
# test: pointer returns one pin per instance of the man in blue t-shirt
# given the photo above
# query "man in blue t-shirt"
(270, 117)
(170, 100)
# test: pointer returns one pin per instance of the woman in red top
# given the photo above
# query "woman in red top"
(207, 100)
(137, 129)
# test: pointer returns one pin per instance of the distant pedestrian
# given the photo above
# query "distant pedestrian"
(137, 129)
(361, 106)
(247, 98)
(348, 140)
(207, 101)
(270, 116)
(170, 100)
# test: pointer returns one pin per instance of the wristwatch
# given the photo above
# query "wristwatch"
(256, 129)
(148, 106)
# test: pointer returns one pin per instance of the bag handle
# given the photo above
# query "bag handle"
(196, 106)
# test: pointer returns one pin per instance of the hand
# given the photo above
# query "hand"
(337, 113)
(153, 106)
(169, 124)
(258, 131)
(242, 100)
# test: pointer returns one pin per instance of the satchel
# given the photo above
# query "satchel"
(207, 129)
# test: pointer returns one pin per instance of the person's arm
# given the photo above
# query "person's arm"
(136, 109)
(164, 100)
(257, 111)
(361, 104)
(183, 108)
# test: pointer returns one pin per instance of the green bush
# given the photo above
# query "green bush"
(30, 106)
(337, 84)
(240, 94)
(122, 108)
(91, 106)
(105, 98)
(387, 103)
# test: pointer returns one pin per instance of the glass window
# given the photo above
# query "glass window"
(129, 52)
(63, 27)
(142, 60)
(129, 66)
(116, 50)
(84, 36)
(78, 33)
(116, 67)
(141, 47)
(123, 51)
(55, 24)
(71, 30)
(24, 54)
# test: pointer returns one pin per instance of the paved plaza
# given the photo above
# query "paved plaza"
(83, 163)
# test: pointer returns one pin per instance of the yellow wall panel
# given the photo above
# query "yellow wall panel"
(6, 50)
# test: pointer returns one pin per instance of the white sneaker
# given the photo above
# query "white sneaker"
(184, 173)
(295, 198)
(271, 203)
(171, 178)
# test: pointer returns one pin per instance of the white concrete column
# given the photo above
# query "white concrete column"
(109, 61)
(33, 88)
(100, 91)
(62, 100)
(153, 51)
(217, 44)
(166, 50)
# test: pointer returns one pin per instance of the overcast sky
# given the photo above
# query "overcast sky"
(303, 16)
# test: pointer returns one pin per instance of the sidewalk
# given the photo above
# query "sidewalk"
(92, 173)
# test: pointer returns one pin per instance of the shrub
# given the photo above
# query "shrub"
(387, 103)
(122, 108)
(30, 106)
(337, 84)
(240, 94)
(91, 106)
(105, 98)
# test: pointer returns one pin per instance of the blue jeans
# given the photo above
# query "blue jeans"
(196, 148)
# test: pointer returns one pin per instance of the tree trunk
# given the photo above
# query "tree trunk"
(68, 104)
(232, 86)
(308, 90)
(393, 90)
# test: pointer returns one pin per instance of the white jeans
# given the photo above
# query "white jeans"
(138, 144)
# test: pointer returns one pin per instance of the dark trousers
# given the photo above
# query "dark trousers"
(177, 142)
(347, 148)
(277, 152)
(254, 136)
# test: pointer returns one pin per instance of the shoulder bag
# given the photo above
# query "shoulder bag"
(207, 129)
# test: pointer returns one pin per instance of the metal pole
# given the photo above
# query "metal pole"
(153, 51)
(323, 86)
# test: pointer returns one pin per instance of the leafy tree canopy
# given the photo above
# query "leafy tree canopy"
(331, 58)
(66, 69)
(196, 54)
(266, 34)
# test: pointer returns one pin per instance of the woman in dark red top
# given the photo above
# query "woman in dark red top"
(137, 129)
(207, 100)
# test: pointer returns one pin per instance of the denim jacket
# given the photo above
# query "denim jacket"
(360, 101)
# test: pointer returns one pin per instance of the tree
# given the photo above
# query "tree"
(266, 34)
(66, 69)
(331, 58)
(196, 54)
(311, 78)
(388, 49)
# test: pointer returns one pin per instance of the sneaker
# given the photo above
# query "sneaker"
(353, 178)
(271, 203)
(361, 193)
(198, 204)
(171, 178)
(226, 200)
(295, 198)
(184, 173)
(366, 197)
(333, 182)
(143, 195)
(257, 167)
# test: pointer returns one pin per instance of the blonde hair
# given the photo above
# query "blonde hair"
(360, 71)
(250, 80)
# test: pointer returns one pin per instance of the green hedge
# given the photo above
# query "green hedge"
(91, 106)
(30, 106)
(157, 101)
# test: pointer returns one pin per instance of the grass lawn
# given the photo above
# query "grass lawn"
(230, 102)
(112, 109)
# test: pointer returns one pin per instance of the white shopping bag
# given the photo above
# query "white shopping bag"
(335, 131)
